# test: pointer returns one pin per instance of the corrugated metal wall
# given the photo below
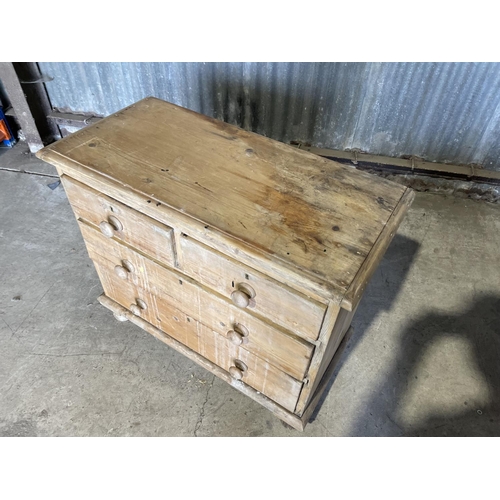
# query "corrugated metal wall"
(445, 112)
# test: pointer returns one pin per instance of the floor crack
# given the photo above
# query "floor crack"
(8, 326)
(29, 314)
(202, 411)
(395, 423)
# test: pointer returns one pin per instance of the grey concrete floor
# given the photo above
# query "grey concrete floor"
(424, 358)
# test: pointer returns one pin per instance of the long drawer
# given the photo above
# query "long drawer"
(116, 220)
(285, 351)
(240, 363)
(268, 298)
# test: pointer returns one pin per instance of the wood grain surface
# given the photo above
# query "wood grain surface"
(213, 346)
(316, 214)
(287, 352)
(274, 300)
(138, 230)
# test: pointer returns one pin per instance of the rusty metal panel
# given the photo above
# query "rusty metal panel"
(442, 112)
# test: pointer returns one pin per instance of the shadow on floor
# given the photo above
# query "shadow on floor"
(379, 296)
(479, 326)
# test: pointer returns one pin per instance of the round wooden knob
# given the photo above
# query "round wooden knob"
(236, 372)
(235, 337)
(135, 309)
(124, 270)
(106, 229)
(138, 307)
(239, 335)
(240, 299)
(238, 369)
(117, 225)
(121, 272)
(109, 227)
(242, 295)
(141, 304)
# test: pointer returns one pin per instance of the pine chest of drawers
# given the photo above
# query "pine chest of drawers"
(246, 255)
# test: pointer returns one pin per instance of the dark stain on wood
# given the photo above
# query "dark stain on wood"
(202, 187)
(324, 182)
(383, 203)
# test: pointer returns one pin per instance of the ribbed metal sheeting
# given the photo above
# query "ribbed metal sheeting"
(445, 112)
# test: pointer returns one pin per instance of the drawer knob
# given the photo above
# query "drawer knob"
(238, 369)
(123, 271)
(109, 227)
(241, 297)
(138, 307)
(239, 335)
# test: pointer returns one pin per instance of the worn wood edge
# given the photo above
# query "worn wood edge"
(326, 377)
(279, 411)
(325, 354)
(305, 282)
(329, 320)
(61, 142)
(357, 287)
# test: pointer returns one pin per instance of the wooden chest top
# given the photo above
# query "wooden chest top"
(321, 221)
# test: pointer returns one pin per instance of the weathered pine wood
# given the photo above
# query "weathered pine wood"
(161, 313)
(288, 353)
(140, 231)
(358, 285)
(208, 235)
(318, 215)
(251, 254)
(273, 300)
(331, 318)
(278, 410)
(326, 378)
(323, 359)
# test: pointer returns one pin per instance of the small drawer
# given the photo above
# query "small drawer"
(251, 290)
(241, 364)
(116, 220)
(287, 352)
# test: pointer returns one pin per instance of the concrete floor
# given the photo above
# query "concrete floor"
(424, 358)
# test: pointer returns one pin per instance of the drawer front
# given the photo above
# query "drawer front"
(121, 222)
(286, 352)
(271, 299)
(240, 363)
